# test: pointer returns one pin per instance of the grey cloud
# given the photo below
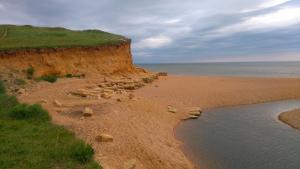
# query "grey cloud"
(185, 23)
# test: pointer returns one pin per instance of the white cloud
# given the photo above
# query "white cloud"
(282, 18)
(172, 21)
(154, 42)
(1, 6)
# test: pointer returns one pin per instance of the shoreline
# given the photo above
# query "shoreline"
(143, 129)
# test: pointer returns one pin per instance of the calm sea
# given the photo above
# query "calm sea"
(255, 69)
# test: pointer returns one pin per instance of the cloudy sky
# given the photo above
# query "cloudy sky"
(176, 30)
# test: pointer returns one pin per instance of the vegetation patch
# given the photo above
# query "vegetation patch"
(24, 37)
(82, 152)
(49, 78)
(29, 112)
(73, 76)
(30, 141)
(30, 72)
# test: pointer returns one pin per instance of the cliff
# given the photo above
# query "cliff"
(62, 51)
(105, 59)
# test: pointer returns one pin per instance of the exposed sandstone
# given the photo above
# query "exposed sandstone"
(107, 59)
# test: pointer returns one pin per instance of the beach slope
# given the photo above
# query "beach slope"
(143, 128)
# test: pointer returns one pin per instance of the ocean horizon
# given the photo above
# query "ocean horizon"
(236, 69)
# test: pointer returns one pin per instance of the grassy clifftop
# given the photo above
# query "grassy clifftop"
(25, 37)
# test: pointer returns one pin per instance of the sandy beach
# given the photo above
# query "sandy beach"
(142, 128)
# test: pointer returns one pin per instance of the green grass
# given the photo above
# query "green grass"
(30, 141)
(23, 37)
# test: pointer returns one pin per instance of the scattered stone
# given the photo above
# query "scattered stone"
(172, 109)
(131, 164)
(195, 113)
(104, 138)
(79, 94)
(195, 109)
(129, 87)
(193, 117)
(162, 74)
(87, 112)
(106, 95)
(21, 91)
(57, 103)
(44, 101)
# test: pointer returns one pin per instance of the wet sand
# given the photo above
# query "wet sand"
(291, 118)
(143, 129)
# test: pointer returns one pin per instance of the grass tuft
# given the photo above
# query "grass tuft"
(82, 152)
(49, 78)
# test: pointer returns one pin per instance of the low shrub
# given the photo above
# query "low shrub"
(74, 75)
(69, 76)
(2, 88)
(49, 78)
(30, 72)
(24, 111)
(82, 152)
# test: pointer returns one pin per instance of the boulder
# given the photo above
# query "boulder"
(191, 117)
(57, 103)
(43, 101)
(104, 138)
(172, 109)
(79, 94)
(106, 95)
(130, 164)
(21, 91)
(87, 112)
(194, 109)
(195, 113)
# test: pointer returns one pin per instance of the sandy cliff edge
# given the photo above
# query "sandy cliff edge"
(105, 59)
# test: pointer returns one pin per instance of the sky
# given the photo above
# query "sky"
(172, 31)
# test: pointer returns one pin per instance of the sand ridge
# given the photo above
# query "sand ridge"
(143, 129)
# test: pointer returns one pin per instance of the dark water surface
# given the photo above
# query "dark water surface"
(243, 137)
(250, 69)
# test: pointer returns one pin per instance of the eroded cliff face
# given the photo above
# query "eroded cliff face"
(106, 60)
